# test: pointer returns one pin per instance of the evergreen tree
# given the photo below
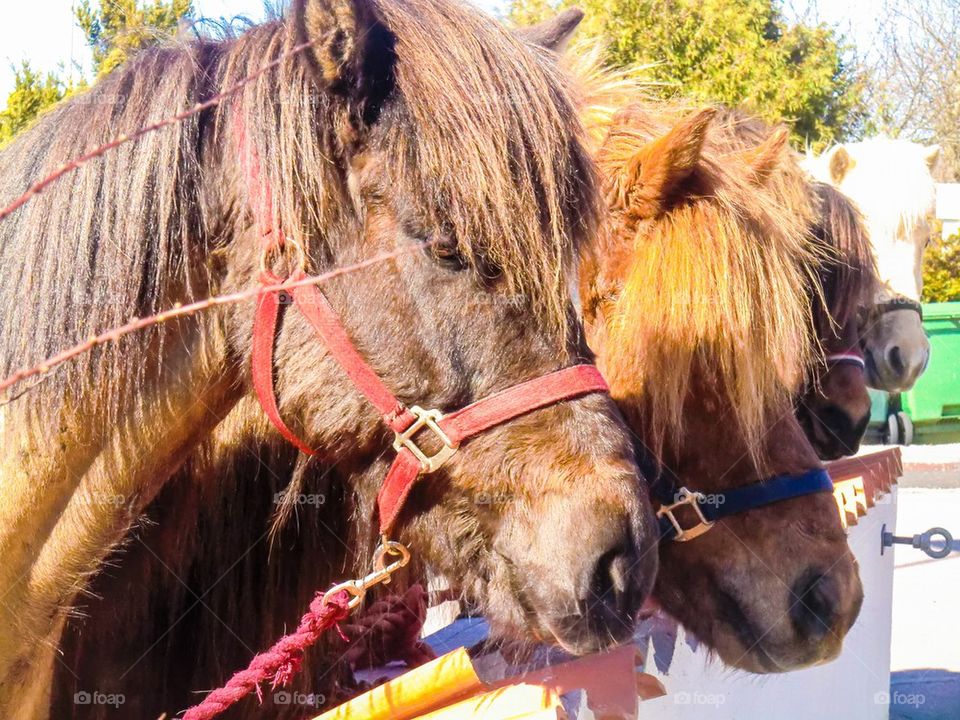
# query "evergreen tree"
(115, 30)
(941, 271)
(119, 28)
(735, 52)
(32, 93)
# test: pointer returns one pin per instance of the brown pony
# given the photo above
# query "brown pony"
(697, 305)
(389, 130)
(834, 406)
(698, 310)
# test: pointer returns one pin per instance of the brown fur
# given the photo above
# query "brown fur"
(711, 308)
(833, 405)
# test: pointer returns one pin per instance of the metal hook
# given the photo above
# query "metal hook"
(381, 575)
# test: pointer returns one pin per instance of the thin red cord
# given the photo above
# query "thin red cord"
(184, 310)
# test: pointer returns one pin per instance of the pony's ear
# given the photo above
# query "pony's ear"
(553, 34)
(767, 156)
(840, 164)
(351, 50)
(931, 156)
(649, 178)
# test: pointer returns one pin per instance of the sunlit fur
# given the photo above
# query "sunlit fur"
(834, 405)
(503, 192)
(847, 270)
(695, 293)
(891, 182)
(698, 305)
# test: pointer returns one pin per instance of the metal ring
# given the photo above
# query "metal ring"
(300, 255)
(388, 548)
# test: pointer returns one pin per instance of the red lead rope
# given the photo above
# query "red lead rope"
(283, 660)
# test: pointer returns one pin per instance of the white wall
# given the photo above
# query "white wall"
(853, 687)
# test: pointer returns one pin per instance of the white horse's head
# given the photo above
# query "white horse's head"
(892, 183)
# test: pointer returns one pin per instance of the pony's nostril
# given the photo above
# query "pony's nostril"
(895, 359)
(815, 606)
(843, 428)
(609, 580)
(614, 594)
(836, 420)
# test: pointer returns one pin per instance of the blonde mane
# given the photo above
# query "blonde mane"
(892, 184)
(715, 288)
(846, 270)
(889, 180)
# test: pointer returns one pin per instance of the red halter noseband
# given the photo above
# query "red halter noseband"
(451, 429)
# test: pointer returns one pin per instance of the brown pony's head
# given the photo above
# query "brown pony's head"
(696, 304)
(834, 406)
(415, 121)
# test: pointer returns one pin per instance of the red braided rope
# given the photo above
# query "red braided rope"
(76, 163)
(278, 664)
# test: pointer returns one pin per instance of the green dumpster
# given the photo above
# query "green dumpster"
(934, 402)
(879, 400)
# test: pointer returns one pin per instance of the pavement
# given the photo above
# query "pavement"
(927, 466)
(925, 645)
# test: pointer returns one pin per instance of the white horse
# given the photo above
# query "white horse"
(892, 183)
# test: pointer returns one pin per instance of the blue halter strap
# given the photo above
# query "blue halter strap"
(706, 509)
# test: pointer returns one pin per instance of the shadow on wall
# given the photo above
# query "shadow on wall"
(924, 694)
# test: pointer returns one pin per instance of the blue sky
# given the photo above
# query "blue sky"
(43, 31)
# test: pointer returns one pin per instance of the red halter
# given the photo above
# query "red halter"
(451, 429)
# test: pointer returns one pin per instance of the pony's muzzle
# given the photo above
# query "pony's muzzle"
(816, 607)
(842, 432)
(823, 607)
(907, 366)
(609, 584)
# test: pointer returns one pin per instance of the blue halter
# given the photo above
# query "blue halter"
(708, 508)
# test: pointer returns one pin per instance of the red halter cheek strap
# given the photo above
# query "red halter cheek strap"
(411, 462)
(451, 429)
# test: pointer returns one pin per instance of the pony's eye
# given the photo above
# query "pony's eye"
(447, 253)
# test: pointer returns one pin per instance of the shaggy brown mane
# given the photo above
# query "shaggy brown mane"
(729, 248)
(850, 280)
(846, 271)
(107, 242)
(715, 285)
(536, 190)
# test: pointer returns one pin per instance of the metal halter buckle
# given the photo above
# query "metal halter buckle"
(693, 499)
(426, 419)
